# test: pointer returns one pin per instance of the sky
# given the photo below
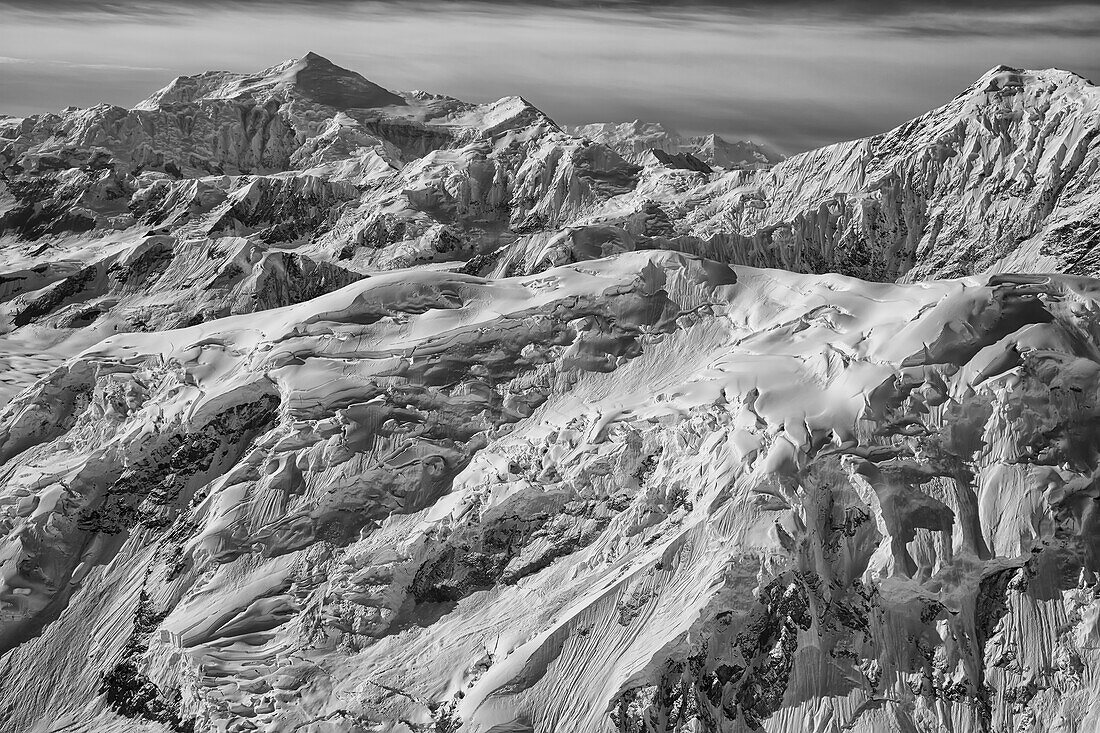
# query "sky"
(790, 73)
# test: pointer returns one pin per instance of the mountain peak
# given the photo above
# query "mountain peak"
(315, 77)
(1004, 77)
(314, 60)
(312, 77)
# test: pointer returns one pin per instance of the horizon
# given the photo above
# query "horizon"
(788, 75)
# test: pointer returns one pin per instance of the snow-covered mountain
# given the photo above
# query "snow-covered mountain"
(334, 408)
(634, 140)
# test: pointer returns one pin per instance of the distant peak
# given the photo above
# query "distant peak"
(313, 59)
(317, 78)
(312, 77)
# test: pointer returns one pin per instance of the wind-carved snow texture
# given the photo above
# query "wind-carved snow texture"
(330, 408)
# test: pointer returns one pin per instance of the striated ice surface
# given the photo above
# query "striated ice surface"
(331, 408)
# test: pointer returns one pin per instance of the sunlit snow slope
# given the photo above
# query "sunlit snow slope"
(337, 409)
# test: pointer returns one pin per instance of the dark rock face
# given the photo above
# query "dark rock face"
(684, 161)
(326, 83)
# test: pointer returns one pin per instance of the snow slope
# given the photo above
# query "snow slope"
(333, 408)
(646, 488)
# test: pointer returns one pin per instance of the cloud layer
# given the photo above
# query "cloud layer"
(791, 73)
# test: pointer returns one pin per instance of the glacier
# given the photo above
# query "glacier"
(327, 407)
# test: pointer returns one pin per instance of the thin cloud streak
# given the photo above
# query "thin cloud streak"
(73, 65)
(929, 17)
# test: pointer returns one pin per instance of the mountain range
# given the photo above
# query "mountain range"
(327, 407)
